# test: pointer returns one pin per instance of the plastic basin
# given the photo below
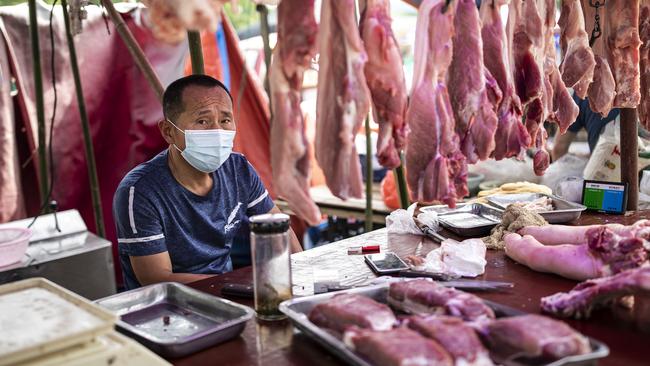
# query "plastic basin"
(13, 244)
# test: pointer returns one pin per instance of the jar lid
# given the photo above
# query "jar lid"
(269, 223)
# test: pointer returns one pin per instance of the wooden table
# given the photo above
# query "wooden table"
(354, 207)
(278, 343)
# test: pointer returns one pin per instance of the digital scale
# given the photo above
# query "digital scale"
(607, 197)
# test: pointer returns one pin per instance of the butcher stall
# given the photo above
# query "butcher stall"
(412, 146)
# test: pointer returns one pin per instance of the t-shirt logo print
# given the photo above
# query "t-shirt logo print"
(230, 224)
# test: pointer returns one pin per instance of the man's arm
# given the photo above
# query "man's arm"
(561, 145)
(293, 239)
(157, 268)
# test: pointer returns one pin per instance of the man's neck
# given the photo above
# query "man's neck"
(195, 181)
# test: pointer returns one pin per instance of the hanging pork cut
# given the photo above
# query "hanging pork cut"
(343, 98)
(290, 155)
(644, 34)
(476, 119)
(436, 169)
(385, 76)
(511, 136)
(578, 61)
(621, 33)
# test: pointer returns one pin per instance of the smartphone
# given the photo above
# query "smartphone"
(385, 263)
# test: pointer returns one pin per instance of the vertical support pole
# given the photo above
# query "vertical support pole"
(400, 183)
(196, 52)
(630, 156)
(368, 176)
(264, 29)
(134, 49)
(40, 107)
(85, 125)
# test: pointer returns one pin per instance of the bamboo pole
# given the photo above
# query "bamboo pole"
(264, 30)
(630, 156)
(368, 177)
(400, 183)
(196, 52)
(85, 126)
(134, 49)
(40, 105)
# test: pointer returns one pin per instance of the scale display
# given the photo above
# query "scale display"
(605, 196)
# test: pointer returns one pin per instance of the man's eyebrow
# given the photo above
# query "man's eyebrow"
(202, 112)
(227, 113)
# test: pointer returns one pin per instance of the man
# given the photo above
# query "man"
(178, 213)
(593, 122)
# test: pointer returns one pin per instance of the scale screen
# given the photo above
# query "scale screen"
(605, 196)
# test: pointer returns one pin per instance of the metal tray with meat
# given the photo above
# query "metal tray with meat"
(174, 320)
(469, 220)
(360, 328)
(552, 208)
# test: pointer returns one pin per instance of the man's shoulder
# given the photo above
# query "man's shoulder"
(145, 174)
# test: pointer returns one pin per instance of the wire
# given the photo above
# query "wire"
(46, 202)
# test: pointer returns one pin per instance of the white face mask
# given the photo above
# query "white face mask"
(206, 150)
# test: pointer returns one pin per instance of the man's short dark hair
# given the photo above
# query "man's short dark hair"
(173, 96)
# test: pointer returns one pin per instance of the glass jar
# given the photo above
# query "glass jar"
(271, 263)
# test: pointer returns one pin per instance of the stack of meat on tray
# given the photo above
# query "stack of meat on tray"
(438, 325)
(481, 89)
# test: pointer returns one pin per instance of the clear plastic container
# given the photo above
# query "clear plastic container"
(270, 252)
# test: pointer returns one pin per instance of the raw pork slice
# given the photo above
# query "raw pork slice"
(290, 155)
(385, 75)
(458, 338)
(578, 61)
(423, 297)
(397, 347)
(602, 90)
(534, 336)
(476, 120)
(343, 98)
(511, 136)
(436, 169)
(599, 292)
(346, 310)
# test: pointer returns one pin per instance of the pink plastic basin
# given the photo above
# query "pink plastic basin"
(13, 245)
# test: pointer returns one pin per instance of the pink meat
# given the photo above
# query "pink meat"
(476, 119)
(511, 135)
(436, 169)
(343, 98)
(346, 310)
(290, 155)
(385, 78)
(578, 61)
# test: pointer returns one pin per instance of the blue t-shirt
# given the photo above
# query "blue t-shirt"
(591, 121)
(154, 214)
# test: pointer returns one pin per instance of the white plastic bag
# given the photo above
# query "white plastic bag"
(465, 258)
(401, 221)
(568, 165)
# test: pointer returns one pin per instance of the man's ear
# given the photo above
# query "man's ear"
(166, 131)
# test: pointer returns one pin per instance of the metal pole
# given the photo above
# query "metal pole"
(85, 126)
(400, 183)
(40, 107)
(368, 177)
(196, 52)
(630, 156)
(135, 50)
(264, 29)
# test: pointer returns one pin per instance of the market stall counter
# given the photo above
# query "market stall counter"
(278, 343)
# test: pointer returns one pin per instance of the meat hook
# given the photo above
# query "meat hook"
(446, 6)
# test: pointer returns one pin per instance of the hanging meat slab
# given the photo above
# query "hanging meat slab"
(385, 76)
(644, 34)
(621, 33)
(343, 98)
(578, 61)
(476, 119)
(290, 155)
(436, 168)
(511, 136)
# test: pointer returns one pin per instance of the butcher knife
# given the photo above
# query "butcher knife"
(455, 281)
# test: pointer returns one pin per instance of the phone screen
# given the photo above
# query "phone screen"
(386, 261)
(604, 196)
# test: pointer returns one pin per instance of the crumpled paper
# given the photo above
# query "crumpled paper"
(401, 221)
(465, 258)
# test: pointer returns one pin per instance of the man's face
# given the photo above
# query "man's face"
(203, 109)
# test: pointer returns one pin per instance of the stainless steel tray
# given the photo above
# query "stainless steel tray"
(298, 310)
(563, 211)
(174, 320)
(469, 220)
